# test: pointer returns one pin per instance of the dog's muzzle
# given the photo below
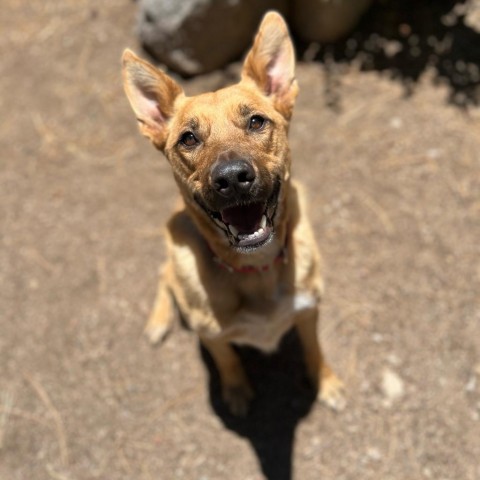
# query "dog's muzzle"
(242, 207)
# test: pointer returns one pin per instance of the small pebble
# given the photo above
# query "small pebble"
(396, 122)
(471, 384)
(374, 454)
(392, 385)
(377, 337)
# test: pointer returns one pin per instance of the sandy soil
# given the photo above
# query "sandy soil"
(390, 156)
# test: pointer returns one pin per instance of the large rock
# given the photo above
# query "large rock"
(198, 36)
(326, 21)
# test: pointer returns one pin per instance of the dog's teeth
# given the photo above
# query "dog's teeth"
(252, 236)
(263, 222)
(233, 230)
(258, 233)
(219, 222)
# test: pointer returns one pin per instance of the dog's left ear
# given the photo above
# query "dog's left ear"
(270, 64)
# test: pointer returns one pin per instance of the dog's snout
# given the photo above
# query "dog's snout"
(232, 177)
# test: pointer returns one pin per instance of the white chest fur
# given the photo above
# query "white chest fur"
(264, 331)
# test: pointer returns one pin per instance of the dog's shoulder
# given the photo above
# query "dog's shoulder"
(200, 286)
(306, 260)
(187, 248)
(181, 229)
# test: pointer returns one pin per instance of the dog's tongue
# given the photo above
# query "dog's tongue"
(246, 219)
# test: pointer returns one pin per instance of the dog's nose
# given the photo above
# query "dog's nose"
(232, 177)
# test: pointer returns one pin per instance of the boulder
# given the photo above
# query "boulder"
(198, 36)
(326, 21)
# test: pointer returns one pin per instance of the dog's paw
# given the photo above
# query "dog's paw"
(156, 332)
(238, 398)
(332, 393)
(162, 316)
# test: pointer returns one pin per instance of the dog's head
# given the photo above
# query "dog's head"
(228, 149)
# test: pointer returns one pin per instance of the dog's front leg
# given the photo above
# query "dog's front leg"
(236, 389)
(326, 383)
(163, 313)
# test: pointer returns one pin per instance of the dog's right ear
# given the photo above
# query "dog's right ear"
(151, 94)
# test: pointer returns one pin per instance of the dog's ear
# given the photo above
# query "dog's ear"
(151, 94)
(270, 64)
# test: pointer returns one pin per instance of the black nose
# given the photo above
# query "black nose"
(232, 177)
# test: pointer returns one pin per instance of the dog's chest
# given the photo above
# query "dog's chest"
(264, 328)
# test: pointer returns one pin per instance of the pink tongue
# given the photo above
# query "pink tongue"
(246, 219)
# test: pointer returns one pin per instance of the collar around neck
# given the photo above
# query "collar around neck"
(282, 257)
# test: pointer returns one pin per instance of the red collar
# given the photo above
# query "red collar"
(282, 257)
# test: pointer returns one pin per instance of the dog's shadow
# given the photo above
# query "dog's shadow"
(404, 39)
(283, 397)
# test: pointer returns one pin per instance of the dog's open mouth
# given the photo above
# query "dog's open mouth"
(248, 225)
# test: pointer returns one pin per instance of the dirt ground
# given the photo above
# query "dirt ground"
(391, 159)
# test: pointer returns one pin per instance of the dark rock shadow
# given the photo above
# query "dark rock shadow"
(404, 38)
(283, 398)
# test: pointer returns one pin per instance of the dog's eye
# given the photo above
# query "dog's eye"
(188, 139)
(256, 122)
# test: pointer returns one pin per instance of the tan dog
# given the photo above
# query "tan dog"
(242, 263)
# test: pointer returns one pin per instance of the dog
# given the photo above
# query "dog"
(242, 265)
